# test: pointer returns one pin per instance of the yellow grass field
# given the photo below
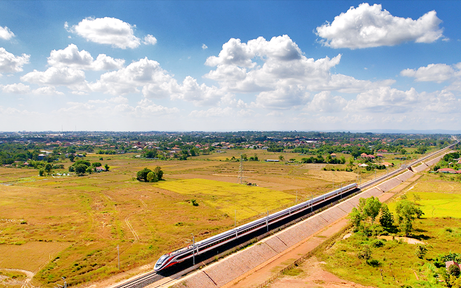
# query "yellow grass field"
(248, 201)
(84, 219)
(436, 195)
(30, 256)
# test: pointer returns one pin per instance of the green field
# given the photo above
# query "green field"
(436, 195)
(395, 262)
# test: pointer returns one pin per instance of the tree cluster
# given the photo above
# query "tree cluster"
(80, 167)
(364, 217)
(148, 175)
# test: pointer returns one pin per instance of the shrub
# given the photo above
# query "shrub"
(374, 263)
(421, 250)
(364, 253)
(377, 243)
(454, 270)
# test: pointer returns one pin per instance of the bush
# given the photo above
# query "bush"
(364, 253)
(374, 263)
(377, 243)
(421, 250)
(454, 270)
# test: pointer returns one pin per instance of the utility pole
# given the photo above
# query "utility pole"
(118, 253)
(193, 249)
(235, 224)
(241, 170)
(267, 220)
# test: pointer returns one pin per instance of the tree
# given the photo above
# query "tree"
(48, 168)
(151, 177)
(356, 218)
(386, 218)
(372, 208)
(106, 167)
(80, 169)
(71, 157)
(158, 171)
(142, 175)
(406, 214)
(150, 153)
(281, 158)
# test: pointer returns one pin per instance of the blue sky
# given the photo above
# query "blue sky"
(229, 65)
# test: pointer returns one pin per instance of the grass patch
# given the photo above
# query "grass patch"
(395, 263)
(228, 197)
(29, 256)
(295, 271)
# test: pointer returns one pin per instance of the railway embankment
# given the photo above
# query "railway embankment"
(223, 272)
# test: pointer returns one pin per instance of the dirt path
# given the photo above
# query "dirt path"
(26, 282)
(135, 234)
(312, 275)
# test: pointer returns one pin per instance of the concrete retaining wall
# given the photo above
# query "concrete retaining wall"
(389, 184)
(405, 176)
(420, 168)
(434, 161)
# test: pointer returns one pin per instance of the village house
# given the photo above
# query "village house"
(447, 170)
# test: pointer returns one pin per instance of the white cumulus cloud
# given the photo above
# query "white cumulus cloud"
(371, 26)
(55, 76)
(71, 57)
(325, 102)
(279, 71)
(5, 33)
(138, 74)
(10, 63)
(432, 72)
(107, 30)
(385, 100)
(150, 40)
(284, 97)
(17, 88)
(47, 90)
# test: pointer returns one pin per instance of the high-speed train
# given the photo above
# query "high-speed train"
(205, 245)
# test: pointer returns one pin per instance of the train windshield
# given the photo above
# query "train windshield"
(160, 261)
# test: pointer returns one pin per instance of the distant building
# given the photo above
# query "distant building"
(447, 170)
(272, 160)
(100, 169)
